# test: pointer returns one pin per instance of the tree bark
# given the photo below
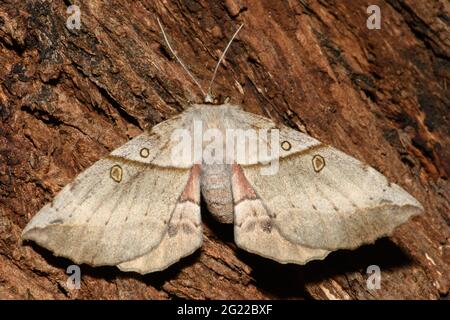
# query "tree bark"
(68, 97)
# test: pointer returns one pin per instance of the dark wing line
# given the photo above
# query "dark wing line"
(136, 163)
(294, 154)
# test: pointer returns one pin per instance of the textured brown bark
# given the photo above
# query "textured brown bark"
(67, 98)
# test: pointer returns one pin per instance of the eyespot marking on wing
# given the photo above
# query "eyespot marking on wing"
(286, 145)
(116, 173)
(144, 153)
(318, 163)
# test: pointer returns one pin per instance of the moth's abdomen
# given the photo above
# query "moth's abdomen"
(216, 191)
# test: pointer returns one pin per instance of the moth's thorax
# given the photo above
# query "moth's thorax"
(212, 111)
(213, 116)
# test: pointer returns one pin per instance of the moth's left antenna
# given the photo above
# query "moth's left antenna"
(179, 60)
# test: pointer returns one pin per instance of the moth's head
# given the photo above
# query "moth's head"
(217, 103)
(211, 100)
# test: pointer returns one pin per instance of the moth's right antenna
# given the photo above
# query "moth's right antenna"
(208, 96)
(179, 60)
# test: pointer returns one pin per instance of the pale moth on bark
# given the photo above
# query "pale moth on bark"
(139, 210)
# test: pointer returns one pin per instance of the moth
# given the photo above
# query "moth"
(139, 207)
